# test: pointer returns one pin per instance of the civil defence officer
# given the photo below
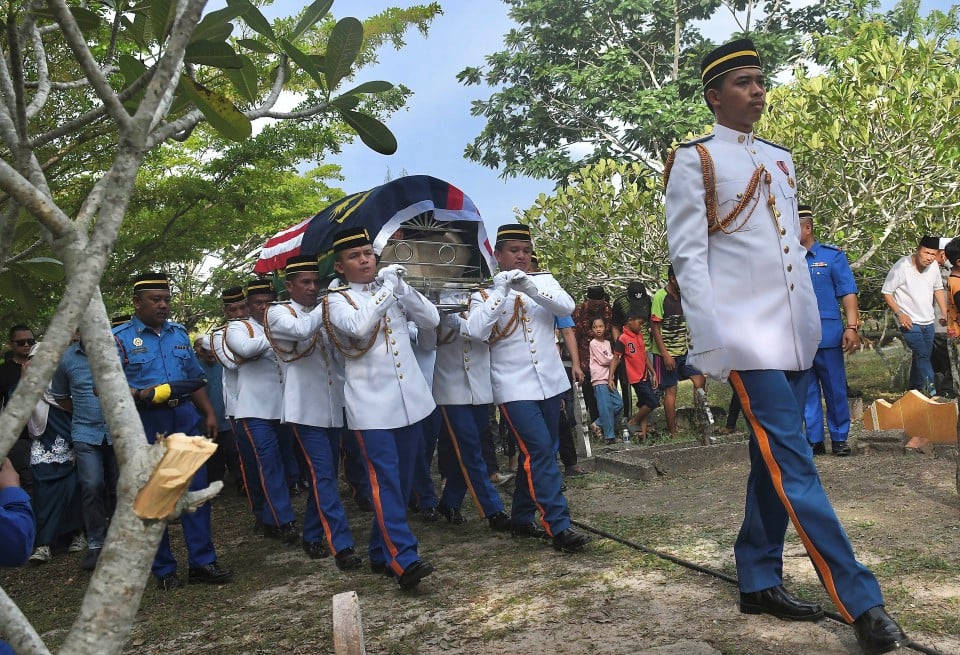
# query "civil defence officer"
(529, 380)
(312, 407)
(385, 393)
(166, 381)
(832, 281)
(733, 232)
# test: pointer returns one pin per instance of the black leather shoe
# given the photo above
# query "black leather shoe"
(429, 514)
(818, 449)
(413, 574)
(570, 541)
(878, 633)
(211, 574)
(499, 522)
(778, 602)
(452, 514)
(168, 582)
(315, 549)
(530, 530)
(381, 568)
(286, 534)
(348, 560)
(840, 448)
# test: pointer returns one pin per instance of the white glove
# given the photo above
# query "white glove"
(501, 282)
(523, 282)
(714, 363)
(393, 274)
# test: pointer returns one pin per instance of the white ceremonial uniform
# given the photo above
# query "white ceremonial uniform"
(384, 388)
(526, 364)
(771, 285)
(258, 376)
(462, 372)
(228, 361)
(312, 384)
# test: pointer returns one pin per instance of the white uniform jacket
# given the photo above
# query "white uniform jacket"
(525, 365)
(746, 288)
(462, 372)
(258, 374)
(384, 387)
(229, 363)
(312, 384)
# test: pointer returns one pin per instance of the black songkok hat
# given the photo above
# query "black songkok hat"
(151, 282)
(513, 232)
(301, 264)
(232, 295)
(805, 212)
(351, 237)
(120, 319)
(930, 242)
(728, 57)
(259, 286)
(596, 293)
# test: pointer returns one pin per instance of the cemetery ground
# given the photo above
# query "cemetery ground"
(495, 594)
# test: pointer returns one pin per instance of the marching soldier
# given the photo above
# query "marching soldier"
(257, 413)
(386, 394)
(312, 407)
(167, 385)
(734, 238)
(528, 383)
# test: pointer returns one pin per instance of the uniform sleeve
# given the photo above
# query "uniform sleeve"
(551, 296)
(242, 342)
(292, 326)
(362, 321)
(16, 525)
(689, 248)
(843, 280)
(483, 314)
(420, 310)
(221, 351)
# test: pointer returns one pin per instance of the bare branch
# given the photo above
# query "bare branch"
(37, 203)
(43, 74)
(18, 629)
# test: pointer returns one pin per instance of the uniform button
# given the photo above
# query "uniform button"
(791, 287)
(398, 364)
(786, 249)
(739, 193)
(396, 353)
(753, 150)
(535, 362)
(389, 330)
(529, 329)
(533, 350)
(388, 319)
(741, 138)
(783, 231)
(466, 359)
(466, 368)
(789, 267)
(393, 342)
(400, 376)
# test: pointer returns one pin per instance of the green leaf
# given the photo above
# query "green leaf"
(345, 102)
(372, 132)
(86, 20)
(47, 269)
(222, 114)
(313, 13)
(376, 86)
(254, 19)
(343, 47)
(131, 68)
(212, 53)
(302, 60)
(255, 46)
(244, 79)
(213, 24)
(161, 13)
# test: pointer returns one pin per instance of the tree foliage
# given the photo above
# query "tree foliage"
(583, 80)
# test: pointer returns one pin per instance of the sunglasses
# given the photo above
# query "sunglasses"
(25, 342)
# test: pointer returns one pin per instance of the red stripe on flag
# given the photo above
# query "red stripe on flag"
(454, 197)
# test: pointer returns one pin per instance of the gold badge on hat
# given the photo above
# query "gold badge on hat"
(138, 341)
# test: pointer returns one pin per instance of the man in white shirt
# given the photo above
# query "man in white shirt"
(909, 289)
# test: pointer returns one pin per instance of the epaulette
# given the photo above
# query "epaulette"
(693, 142)
(345, 287)
(175, 325)
(831, 247)
(120, 328)
(280, 302)
(775, 145)
(538, 273)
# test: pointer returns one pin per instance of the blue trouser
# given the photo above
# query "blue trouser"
(288, 454)
(609, 405)
(424, 494)
(830, 376)
(248, 470)
(325, 518)
(536, 426)
(389, 457)
(97, 475)
(784, 485)
(919, 340)
(353, 468)
(259, 441)
(196, 525)
(463, 427)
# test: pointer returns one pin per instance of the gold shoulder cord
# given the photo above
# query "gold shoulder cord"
(519, 316)
(281, 352)
(354, 350)
(229, 354)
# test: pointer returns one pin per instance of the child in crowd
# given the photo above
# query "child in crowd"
(602, 368)
(639, 366)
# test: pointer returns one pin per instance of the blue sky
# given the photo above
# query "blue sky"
(436, 125)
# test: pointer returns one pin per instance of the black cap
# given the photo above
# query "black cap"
(596, 293)
(232, 295)
(728, 57)
(513, 232)
(260, 286)
(151, 282)
(351, 237)
(301, 264)
(636, 291)
(805, 212)
(930, 242)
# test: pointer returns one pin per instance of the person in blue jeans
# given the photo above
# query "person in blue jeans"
(17, 527)
(910, 289)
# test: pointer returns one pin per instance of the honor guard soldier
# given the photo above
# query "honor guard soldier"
(529, 380)
(257, 414)
(462, 391)
(165, 380)
(832, 281)
(386, 394)
(312, 407)
(734, 238)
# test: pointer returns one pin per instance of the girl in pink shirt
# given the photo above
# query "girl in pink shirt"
(609, 401)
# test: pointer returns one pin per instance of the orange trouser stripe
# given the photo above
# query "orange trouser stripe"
(527, 470)
(377, 506)
(463, 468)
(263, 482)
(313, 488)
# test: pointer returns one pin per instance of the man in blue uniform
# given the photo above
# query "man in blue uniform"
(832, 281)
(734, 237)
(166, 380)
